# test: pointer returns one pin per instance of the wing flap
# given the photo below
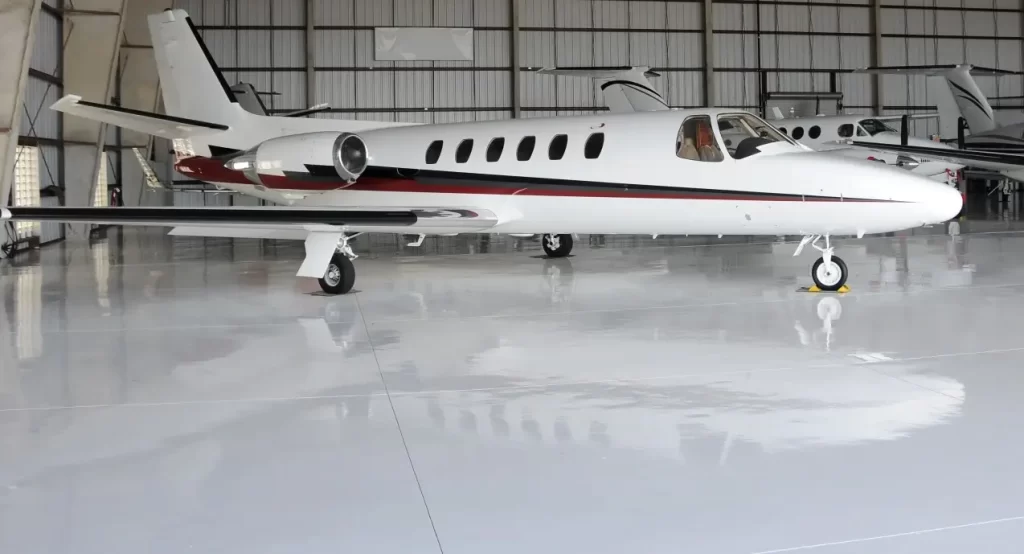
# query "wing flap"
(165, 126)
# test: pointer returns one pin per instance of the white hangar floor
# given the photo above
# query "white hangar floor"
(676, 395)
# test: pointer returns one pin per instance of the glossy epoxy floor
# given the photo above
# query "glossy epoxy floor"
(677, 395)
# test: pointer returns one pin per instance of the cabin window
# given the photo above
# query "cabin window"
(595, 143)
(557, 148)
(434, 151)
(846, 131)
(814, 132)
(696, 140)
(874, 126)
(784, 131)
(494, 149)
(463, 151)
(798, 133)
(525, 150)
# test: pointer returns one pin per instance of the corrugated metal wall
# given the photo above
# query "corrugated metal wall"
(759, 46)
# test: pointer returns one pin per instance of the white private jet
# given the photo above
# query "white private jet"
(642, 173)
(628, 90)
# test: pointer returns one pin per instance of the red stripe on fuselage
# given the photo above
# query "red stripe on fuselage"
(207, 169)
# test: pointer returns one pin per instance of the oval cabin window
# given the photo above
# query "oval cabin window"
(525, 150)
(798, 133)
(494, 149)
(595, 143)
(434, 151)
(463, 151)
(557, 148)
(814, 132)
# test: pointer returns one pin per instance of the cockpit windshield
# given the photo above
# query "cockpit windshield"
(743, 133)
(874, 126)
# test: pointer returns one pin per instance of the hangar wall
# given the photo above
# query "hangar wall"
(795, 44)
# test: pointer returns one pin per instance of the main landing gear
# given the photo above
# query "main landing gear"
(829, 272)
(341, 272)
(557, 246)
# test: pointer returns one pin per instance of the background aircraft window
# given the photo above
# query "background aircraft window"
(874, 126)
(696, 140)
(595, 143)
(557, 148)
(846, 130)
(744, 134)
(814, 132)
(494, 149)
(784, 131)
(525, 150)
(798, 133)
(463, 151)
(434, 151)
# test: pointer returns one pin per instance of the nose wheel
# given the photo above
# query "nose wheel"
(829, 272)
(557, 246)
(830, 275)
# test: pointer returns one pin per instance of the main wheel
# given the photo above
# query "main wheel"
(830, 277)
(557, 246)
(340, 275)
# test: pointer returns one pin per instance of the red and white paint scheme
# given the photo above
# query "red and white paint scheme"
(705, 171)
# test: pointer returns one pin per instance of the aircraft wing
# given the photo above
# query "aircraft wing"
(320, 228)
(165, 126)
(911, 116)
(974, 158)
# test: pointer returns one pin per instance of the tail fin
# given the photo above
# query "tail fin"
(626, 89)
(193, 87)
(974, 107)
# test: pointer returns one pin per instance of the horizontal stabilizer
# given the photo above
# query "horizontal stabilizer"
(934, 70)
(165, 126)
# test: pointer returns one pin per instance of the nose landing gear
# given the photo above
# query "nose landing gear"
(557, 246)
(829, 272)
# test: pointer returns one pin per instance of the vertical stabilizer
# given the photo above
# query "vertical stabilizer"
(193, 87)
(625, 89)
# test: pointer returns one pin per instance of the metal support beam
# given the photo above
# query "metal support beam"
(310, 53)
(139, 90)
(710, 94)
(876, 54)
(17, 34)
(513, 41)
(92, 45)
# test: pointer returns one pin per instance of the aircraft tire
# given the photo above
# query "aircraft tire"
(826, 281)
(557, 246)
(340, 275)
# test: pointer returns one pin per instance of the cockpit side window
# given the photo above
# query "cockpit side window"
(875, 126)
(846, 130)
(696, 140)
(744, 134)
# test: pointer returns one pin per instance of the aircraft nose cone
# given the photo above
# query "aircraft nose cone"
(944, 203)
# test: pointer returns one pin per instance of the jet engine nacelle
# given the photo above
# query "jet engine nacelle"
(297, 156)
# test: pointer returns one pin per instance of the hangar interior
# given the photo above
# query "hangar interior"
(170, 393)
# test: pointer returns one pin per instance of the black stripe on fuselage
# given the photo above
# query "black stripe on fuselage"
(216, 215)
(485, 180)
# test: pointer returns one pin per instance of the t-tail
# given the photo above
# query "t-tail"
(973, 105)
(204, 115)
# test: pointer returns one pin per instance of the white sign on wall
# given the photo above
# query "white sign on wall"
(423, 43)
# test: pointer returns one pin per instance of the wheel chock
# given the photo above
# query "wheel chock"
(814, 288)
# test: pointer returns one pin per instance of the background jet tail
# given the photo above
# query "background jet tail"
(625, 89)
(969, 99)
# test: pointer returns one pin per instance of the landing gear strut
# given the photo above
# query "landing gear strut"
(829, 272)
(341, 272)
(557, 246)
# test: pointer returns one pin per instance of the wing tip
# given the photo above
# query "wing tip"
(66, 102)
